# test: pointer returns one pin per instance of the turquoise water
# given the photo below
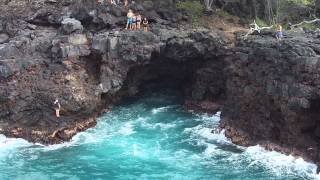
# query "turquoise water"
(149, 138)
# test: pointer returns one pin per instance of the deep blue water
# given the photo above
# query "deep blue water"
(149, 138)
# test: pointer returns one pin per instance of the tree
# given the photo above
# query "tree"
(208, 5)
(269, 11)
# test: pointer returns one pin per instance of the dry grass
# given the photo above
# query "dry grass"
(224, 22)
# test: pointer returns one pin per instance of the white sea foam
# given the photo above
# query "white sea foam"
(58, 146)
(202, 131)
(144, 123)
(79, 139)
(211, 149)
(12, 143)
(165, 125)
(134, 150)
(275, 162)
(278, 163)
(209, 135)
(9, 145)
(208, 118)
(127, 129)
(162, 109)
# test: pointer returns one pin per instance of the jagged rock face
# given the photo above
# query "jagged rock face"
(273, 95)
(59, 50)
(76, 51)
(121, 51)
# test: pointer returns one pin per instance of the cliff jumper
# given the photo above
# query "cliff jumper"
(57, 107)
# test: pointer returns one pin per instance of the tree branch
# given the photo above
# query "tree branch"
(254, 27)
(305, 22)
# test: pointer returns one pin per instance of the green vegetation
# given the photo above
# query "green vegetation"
(193, 8)
(311, 27)
(303, 2)
(276, 12)
(261, 22)
(222, 13)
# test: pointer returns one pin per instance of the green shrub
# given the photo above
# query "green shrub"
(303, 2)
(311, 27)
(223, 13)
(261, 22)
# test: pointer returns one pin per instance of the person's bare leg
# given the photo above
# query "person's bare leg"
(57, 112)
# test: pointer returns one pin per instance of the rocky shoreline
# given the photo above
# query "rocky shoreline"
(268, 91)
(273, 94)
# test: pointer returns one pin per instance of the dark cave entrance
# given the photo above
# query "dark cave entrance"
(160, 75)
(194, 80)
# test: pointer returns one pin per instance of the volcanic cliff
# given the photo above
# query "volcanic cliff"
(78, 52)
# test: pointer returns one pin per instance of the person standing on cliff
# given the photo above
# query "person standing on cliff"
(130, 19)
(134, 22)
(145, 24)
(57, 107)
(279, 33)
(139, 19)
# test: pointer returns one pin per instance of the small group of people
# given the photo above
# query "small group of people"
(134, 21)
(116, 2)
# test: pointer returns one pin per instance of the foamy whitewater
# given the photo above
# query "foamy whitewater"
(151, 138)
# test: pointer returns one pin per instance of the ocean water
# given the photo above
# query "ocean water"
(149, 138)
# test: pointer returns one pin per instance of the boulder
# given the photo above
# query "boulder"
(67, 51)
(4, 38)
(78, 39)
(70, 25)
